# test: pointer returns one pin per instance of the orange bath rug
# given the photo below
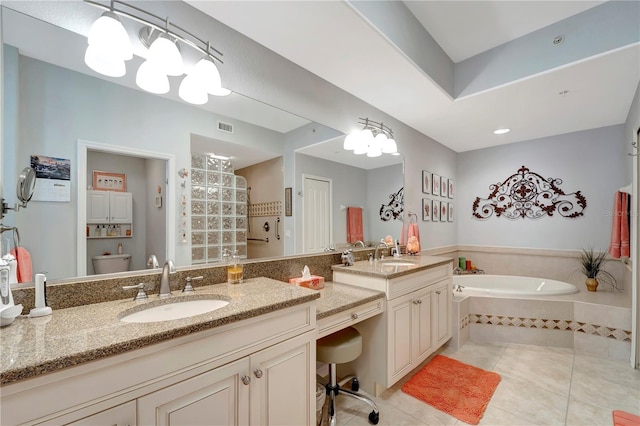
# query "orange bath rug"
(458, 389)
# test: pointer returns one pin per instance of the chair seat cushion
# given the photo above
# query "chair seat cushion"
(340, 347)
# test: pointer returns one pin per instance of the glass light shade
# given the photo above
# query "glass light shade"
(350, 141)
(208, 75)
(366, 135)
(109, 36)
(104, 64)
(389, 147)
(152, 79)
(192, 91)
(221, 92)
(374, 151)
(361, 146)
(164, 53)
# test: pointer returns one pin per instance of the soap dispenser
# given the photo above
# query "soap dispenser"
(235, 269)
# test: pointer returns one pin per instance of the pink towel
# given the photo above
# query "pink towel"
(23, 257)
(619, 246)
(354, 225)
(403, 233)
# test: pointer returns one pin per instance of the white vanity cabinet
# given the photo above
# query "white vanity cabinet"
(109, 207)
(416, 323)
(258, 371)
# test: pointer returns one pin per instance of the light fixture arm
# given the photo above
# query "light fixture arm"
(376, 127)
(166, 29)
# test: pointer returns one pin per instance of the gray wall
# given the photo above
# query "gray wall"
(592, 161)
(381, 183)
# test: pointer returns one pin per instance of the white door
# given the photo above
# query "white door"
(316, 227)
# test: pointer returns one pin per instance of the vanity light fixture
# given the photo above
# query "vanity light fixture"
(501, 131)
(374, 139)
(109, 47)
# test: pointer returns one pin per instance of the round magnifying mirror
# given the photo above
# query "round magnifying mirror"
(26, 184)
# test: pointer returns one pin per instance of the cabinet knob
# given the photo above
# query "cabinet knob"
(246, 379)
(257, 373)
(354, 316)
(438, 292)
(415, 302)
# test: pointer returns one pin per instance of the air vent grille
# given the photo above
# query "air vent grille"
(225, 127)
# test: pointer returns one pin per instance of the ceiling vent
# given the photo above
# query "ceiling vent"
(225, 127)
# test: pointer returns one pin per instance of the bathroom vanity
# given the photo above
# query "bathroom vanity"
(416, 322)
(249, 362)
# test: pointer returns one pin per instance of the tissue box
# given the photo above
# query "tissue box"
(315, 282)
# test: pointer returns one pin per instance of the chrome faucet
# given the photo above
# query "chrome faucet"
(152, 262)
(358, 242)
(167, 268)
(383, 244)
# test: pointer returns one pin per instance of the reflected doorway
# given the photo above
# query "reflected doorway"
(316, 213)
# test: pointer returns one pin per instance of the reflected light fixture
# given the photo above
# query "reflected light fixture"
(109, 46)
(374, 139)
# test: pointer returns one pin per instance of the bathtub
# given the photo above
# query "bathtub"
(509, 285)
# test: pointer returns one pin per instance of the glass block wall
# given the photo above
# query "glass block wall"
(218, 209)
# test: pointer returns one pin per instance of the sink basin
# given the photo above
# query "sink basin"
(397, 263)
(174, 310)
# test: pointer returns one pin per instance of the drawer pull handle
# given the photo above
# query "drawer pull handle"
(258, 373)
(354, 315)
(246, 379)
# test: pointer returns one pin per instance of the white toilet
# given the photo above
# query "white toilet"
(111, 263)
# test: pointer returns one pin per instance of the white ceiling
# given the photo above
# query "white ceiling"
(333, 40)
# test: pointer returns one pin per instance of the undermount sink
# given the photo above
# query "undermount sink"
(174, 310)
(397, 263)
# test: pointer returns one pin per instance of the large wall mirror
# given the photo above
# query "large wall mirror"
(55, 107)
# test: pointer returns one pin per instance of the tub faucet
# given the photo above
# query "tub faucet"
(457, 271)
(168, 268)
(383, 244)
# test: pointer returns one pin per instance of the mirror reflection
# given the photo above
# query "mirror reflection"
(134, 157)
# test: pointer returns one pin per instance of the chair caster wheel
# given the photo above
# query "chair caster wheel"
(374, 418)
(355, 384)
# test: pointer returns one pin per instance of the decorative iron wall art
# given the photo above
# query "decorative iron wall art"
(395, 207)
(527, 194)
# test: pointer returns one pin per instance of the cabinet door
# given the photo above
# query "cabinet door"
(400, 335)
(283, 383)
(423, 337)
(217, 397)
(121, 207)
(97, 207)
(442, 314)
(122, 415)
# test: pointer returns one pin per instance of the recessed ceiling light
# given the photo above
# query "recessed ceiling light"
(501, 131)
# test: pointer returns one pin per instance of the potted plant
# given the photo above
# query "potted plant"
(592, 263)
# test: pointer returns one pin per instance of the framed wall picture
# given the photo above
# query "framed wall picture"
(444, 211)
(451, 189)
(426, 209)
(444, 187)
(435, 184)
(426, 182)
(435, 211)
(450, 216)
(106, 181)
(287, 202)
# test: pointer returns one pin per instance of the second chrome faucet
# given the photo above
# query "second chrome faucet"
(165, 287)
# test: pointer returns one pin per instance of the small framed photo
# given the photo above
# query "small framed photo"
(444, 187)
(105, 181)
(450, 217)
(426, 182)
(451, 188)
(426, 209)
(435, 184)
(435, 211)
(444, 211)
(287, 202)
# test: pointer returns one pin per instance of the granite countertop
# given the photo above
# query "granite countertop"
(72, 336)
(392, 267)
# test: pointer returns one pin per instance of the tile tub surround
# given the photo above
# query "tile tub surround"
(561, 321)
(72, 336)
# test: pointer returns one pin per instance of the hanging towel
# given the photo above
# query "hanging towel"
(404, 232)
(23, 257)
(354, 225)
(619, 246)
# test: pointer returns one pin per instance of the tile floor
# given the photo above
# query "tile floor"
(540, 386)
